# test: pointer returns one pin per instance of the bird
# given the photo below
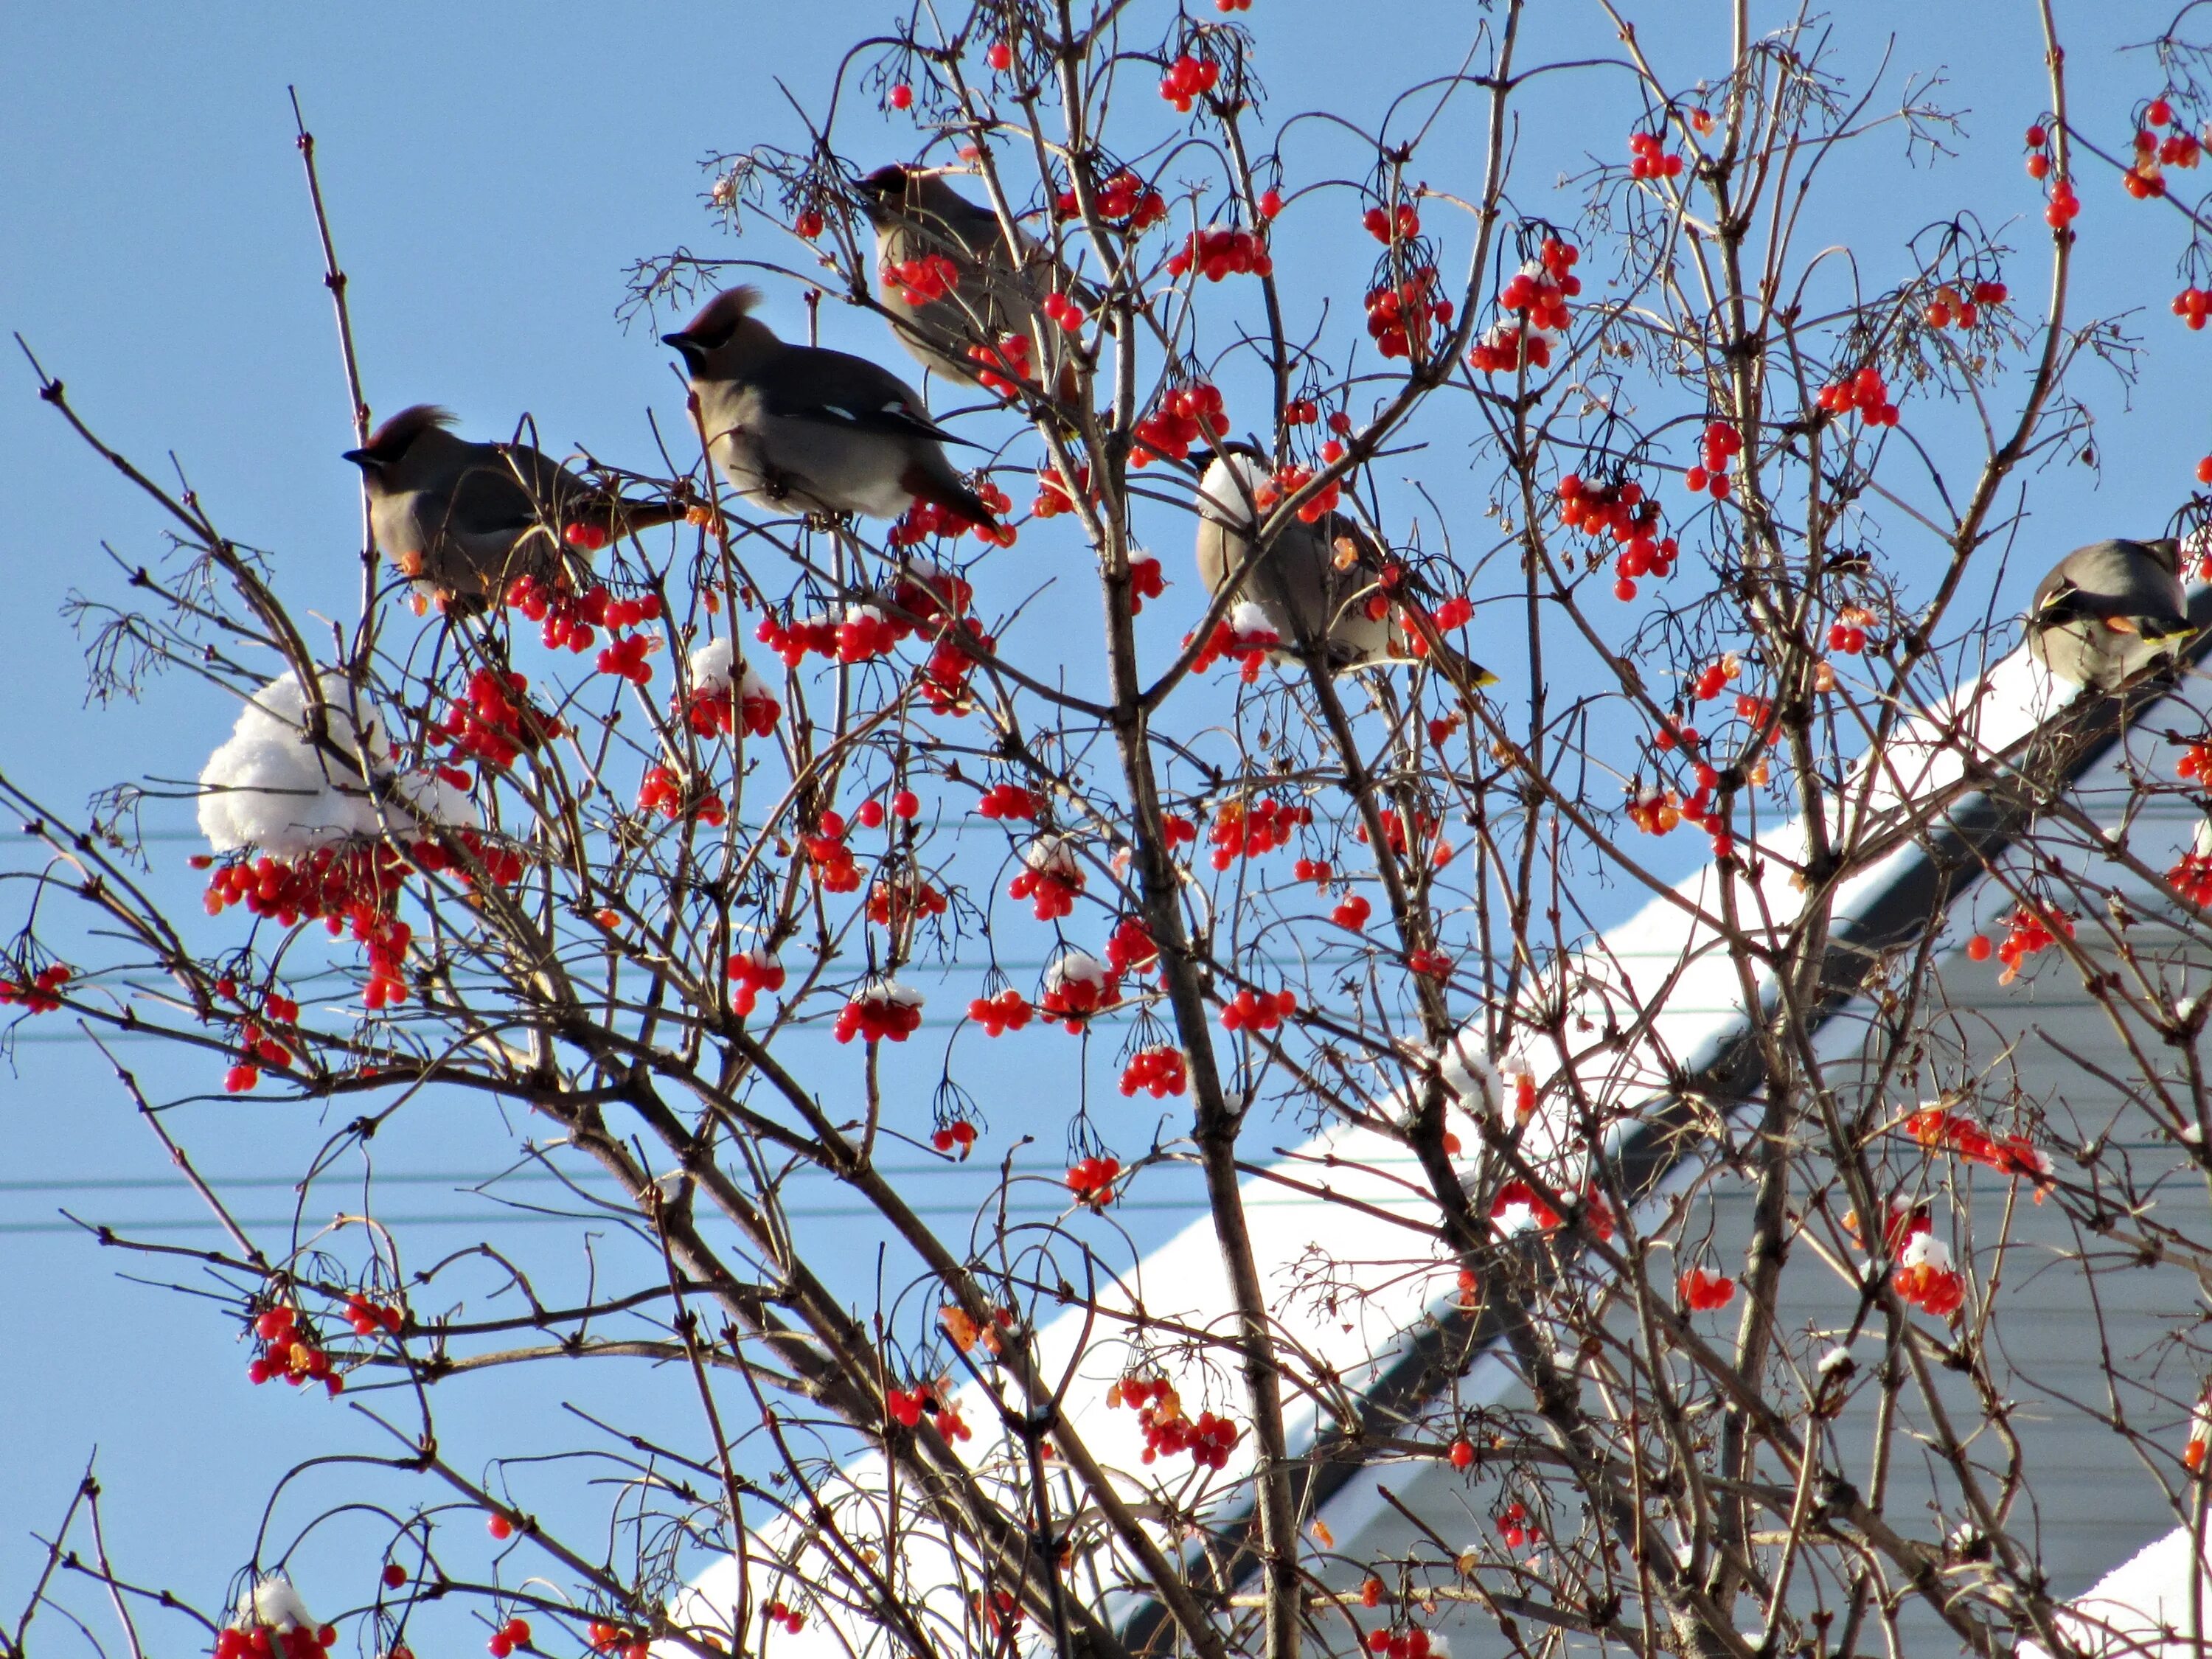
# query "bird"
(2107, 612)
(801, 427)
(916, 216)
(464, 519)
(1318, 581)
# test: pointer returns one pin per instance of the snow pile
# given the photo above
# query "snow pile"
(2140, 1609)
(1075, 966)
(710, 665)
(270, 787)
(274, 1604)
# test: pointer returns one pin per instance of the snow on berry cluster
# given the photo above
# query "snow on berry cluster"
(1051, 876)
(752, 971)
(1621, 513)
(719, 704)
(272, 1622)
(1937, 1129)
(1077, 986)
(880, 1008)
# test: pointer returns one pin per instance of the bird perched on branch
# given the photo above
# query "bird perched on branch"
(1324, 581)
(463, 519)
(811, 430)
(2109, 610)
(982, 294)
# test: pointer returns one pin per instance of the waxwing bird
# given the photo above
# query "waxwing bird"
(464, 519)
(2108, 611)
(1319, 580)
(992, 294)
(809, 430)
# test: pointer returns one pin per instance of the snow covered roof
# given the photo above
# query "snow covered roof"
(1669, 1034)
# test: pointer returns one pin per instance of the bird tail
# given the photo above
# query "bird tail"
(1428, 644)
(945, 490)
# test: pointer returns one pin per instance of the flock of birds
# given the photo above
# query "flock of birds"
(806, 430)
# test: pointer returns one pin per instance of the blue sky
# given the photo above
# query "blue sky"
(490, 171)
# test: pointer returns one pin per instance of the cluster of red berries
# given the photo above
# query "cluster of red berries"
(1243, 637)
(2028, 932)
(1289, 478)
(899, 902)
(776, 1612)
(1159, 1070)
(2191, 878)
(1000, 369)
(625, 657)
(880, 1010)
(952, 658)
(495, 720)
(1862, 393)
(1927, 1277)
(1385, 225)
(1077, 986)
(1146, 581)
(1253, 830)
(1508, 348)
(1352, 911)
(39, 995)
(1130, 948)
(1516, 1530)
(1054, 496)
(1701, 1292)
(958, 1137)
(514, 1633)
(711, 712)
(663, 792)
(2192, 305)
(1622, 512)
(1950, 308)
(1433, 964)
(865, 635)
(921, 281)
(1317, 870)
(1722, 443)
(1122, 197)
(791, 640)
(299, 1641)
(571, 619)
(1051, 878)
(288, 1351)
(2144, 178)
(1209, 1439)
(1008, 800)
(1715, 676)
(927, 518)
(368, 1317)
(1091, 1179)
(1847, 634)
(1188, 78)
(1597, 1214)
(1400, 314)
(1937, 1130)
(1009, 1011)
(1185, 416)
(907, 1406)
(1412, 1644)
(905, 805)
(832, 859)
(2196, 762)
(1222, 252)
(1258, 1010)
(1063, 310)
(618, 1642)
(1649, 157)
(1425, 824)
(1542, 288)
(752, 972)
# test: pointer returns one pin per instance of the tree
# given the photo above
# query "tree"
(1735, 577)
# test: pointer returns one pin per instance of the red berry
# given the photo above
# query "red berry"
(902, 96)
(1978, 948)
(394, 1574)
(500, 1527)
(1001, 56)
(871, 814)
(1462, 1455)
(906, 804)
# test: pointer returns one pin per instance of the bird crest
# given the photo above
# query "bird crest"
(718, 319)
(394, 438)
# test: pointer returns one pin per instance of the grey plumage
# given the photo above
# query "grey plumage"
(916, 214)
(2110, 611)
(463, 519)
(809, 430)
(1317, 580)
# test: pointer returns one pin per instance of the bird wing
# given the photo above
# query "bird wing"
(807, 383)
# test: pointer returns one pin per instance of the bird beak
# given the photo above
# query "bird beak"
(684, 346)
(1201, 458)
(361, 459)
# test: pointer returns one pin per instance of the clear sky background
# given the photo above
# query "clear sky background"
(490, 171)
